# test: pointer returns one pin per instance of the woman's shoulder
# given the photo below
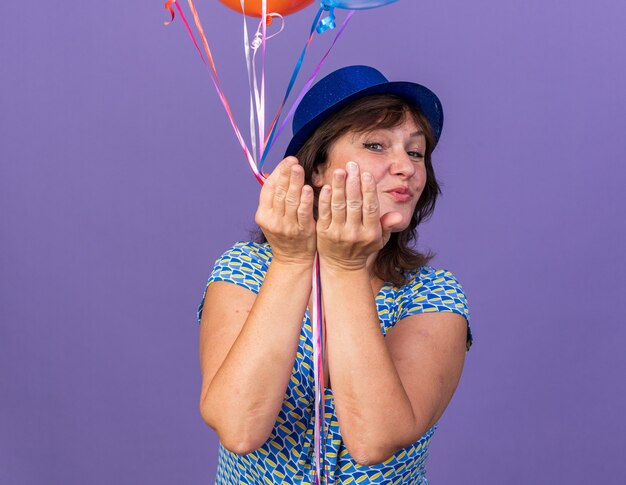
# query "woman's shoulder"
(244, 263)
(431, 289)
(247, 252)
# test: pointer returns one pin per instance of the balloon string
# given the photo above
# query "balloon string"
(261, 114)
(260, 40)
(318, 372)
(220, 93)
(257, 99)
(308, 84)
(193, 39)
(251, 82)
(294, 75)
(259, 95)
(258, 102)
(205, 43)
(216, 82)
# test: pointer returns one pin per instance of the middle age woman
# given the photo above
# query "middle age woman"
(397, 329)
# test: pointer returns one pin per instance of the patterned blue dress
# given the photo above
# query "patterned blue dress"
(286, 458)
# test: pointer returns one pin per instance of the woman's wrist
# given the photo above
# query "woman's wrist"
(344, 269)
(296, 265)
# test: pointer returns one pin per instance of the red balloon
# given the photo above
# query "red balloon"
(253, 7)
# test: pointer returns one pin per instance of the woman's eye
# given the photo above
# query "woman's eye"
(376, 147)
(418, 155)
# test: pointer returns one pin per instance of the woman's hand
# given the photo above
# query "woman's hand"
(285, 214)
(349, 226)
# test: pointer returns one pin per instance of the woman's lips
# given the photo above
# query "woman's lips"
(400, 194)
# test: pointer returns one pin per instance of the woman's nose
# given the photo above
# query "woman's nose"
(402, 164)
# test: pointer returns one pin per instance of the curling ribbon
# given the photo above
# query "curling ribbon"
(168, 6)
(319, 400)
(257, 121)
(292, 81)
(215, 79)
(251, 83)
(257, 99)
(306, 87)
(250, 158)
(261, 119)
(275, 134)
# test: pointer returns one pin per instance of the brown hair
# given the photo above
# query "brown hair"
(379, 111)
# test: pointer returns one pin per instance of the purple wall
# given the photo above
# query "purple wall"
(121, 182)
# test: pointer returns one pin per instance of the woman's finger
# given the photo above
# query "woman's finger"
(305, 209)
(266, 197)
(371, 214)
(292, 199)
(281, 185)
(324, 212)
(354, 199)
(338, 197)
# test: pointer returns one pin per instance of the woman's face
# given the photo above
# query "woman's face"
(396, 159)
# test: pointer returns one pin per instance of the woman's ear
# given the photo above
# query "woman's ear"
(317, 177)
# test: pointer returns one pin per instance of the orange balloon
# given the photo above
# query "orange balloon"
(253, 7)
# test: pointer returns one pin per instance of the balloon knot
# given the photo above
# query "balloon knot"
(327, 22)
(257, 41)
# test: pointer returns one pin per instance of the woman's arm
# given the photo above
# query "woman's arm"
(248, 346)
(388, 392)
(248, 342)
